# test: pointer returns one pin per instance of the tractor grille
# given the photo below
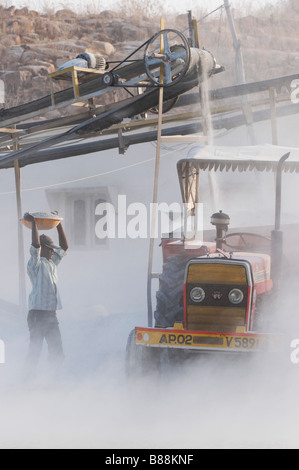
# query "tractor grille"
(216, 312)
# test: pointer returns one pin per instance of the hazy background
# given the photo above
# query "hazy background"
(173, 5)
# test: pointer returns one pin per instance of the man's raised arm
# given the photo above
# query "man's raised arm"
(62, 237)
(35, 235)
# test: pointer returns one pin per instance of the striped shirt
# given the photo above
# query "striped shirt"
(43, 275)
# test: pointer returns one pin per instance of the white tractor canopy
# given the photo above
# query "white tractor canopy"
(224, 159)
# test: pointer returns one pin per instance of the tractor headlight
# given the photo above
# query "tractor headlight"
(236, 296)
(197, 294)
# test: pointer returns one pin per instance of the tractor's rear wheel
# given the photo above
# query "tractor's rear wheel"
(170, 306)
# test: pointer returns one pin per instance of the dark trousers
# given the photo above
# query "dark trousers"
(43, 324)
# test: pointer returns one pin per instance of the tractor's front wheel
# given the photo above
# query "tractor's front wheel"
(139, 359)
(144, 361)
(170, 306)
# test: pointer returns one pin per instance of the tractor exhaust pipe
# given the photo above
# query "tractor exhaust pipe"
(277, 234)
(221, 222)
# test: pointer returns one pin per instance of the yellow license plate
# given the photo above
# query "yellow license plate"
(246, 342)
(186, 339)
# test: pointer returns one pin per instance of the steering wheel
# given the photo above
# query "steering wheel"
(246, 241)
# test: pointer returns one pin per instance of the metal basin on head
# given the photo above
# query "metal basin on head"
(44, 221)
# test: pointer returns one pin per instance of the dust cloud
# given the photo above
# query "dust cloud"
(210, 402)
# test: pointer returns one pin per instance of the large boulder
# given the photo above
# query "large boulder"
(65, 14)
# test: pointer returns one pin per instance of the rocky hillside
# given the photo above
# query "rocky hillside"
(33, 44)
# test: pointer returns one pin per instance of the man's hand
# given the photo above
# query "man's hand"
(29, 217)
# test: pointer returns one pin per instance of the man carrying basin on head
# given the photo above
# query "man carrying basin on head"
(44, 298)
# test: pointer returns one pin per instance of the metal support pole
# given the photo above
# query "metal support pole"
(192, 39)
(240, 73)
(207, 125)
(75, 82)
(237, 45)
(273, 115)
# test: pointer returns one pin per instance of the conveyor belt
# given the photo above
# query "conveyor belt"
(116, 112)
(22, 111)
(57, 153)
(134, 70)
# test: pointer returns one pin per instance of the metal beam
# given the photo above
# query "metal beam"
(102, 144)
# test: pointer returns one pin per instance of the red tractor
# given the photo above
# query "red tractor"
(210, 298)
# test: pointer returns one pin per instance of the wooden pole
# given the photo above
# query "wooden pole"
(155, 193)
(21, 257)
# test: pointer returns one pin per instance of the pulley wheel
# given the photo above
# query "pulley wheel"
(167, 57)
(110, 78)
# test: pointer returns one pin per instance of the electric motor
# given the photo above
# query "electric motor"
(94, 61)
